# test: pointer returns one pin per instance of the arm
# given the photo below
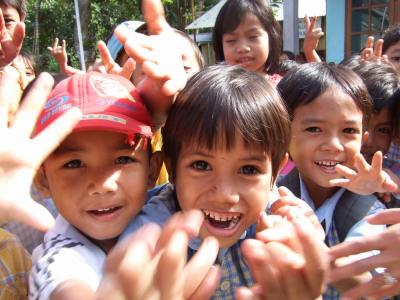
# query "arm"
(385, 284)
(311, 40)
(18, 166)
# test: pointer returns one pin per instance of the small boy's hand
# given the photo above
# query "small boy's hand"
(110, 66)
(367, 179)
(59, 52)
(152, 263)
(290, 207)
(381, 285)
(282, 271)
(160, 56)
(10, 46)
(371, 52)
(21, 155)
(311, 39)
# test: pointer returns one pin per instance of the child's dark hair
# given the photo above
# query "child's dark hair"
(305, 83)
(221, 101)
(19, 5)
(285, 66)
(391, 37)
(382, 82)
(230, 17)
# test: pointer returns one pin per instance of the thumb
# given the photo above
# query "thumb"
(33, 214)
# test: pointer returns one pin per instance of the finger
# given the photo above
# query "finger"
(199, 265)
(389, 216)
(27, 114)
(378, 48)
(153, 12)
(33, 214)
(18, 35)
(148, 234)
(264, 272)
(339, 182)
(170, 267)
(154, 70)
(6, 94)
(140, 51)
(208, 285)
(365, 289)
(315, 255)
(128, 68)
(355, 246)
(366, 53)
(386, 291)
(190, 222)
(244, 293)
(64, 45)
(345, 171)
(55, 44)
(361, 164)
(313, 21)
(2, 23)
(173, 86)
(50, 138)
(369, 43)
(307, 22)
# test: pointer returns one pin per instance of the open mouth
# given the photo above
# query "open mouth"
(327, 165)
(224, 221)
(104, 211)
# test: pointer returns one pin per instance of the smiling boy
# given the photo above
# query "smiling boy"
(97, 177)
(220, 150)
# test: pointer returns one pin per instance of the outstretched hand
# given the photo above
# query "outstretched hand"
(10, 46)
(152, 264)
(366, 179)
(291, 265)
(160, 57)
(21, 155)
(381, 285)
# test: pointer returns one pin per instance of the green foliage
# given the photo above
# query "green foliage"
(57, 19)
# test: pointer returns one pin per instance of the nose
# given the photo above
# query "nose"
(225, 191)
(332, 143)
(102, 183)
(242, 46)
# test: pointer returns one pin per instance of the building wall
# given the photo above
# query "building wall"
(335, 30)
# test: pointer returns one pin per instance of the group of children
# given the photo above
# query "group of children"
(228, 131)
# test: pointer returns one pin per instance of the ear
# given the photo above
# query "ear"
(41, 184)
(283, 164)
(155, 167)
(364, 137)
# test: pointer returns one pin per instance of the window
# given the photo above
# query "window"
(368, 17)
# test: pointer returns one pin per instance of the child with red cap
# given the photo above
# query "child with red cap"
(97, 177)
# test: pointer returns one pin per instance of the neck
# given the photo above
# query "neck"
(318, 193)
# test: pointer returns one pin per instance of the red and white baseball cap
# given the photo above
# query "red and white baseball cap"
(108, 102)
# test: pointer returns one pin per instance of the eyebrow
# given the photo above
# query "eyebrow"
(321, 121)
(257, 157)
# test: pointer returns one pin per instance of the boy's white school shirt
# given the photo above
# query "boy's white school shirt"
(65, 254)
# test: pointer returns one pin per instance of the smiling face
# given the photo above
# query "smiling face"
(247, 45)
(393, 54)
(325, 132)
(379, 134)
(98, 182)
(230, 187)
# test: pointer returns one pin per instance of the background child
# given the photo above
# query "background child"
(97, 178)
(328, 106)
(225, 165)
(247, 34)
(391, 46)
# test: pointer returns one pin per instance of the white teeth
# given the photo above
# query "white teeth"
(104, 209)
(326, 163)
(221, 217)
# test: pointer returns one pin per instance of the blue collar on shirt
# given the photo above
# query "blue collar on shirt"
(325, 211)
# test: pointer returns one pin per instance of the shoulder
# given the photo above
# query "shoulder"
(66, 255)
